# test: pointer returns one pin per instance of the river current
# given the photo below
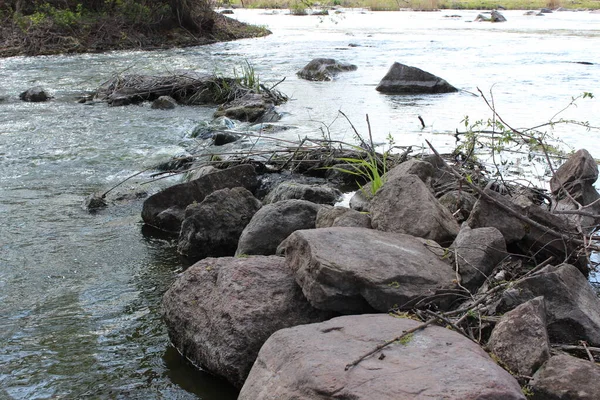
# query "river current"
(80, 292)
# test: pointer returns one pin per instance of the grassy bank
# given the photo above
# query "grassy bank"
(395, 5)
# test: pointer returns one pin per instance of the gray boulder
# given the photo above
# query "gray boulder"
(164, 103)
(165, 210)
(564, 377)
(220, 311)
(275, 222)
(249, 108)
(520, 339)
(358, 270)
(530, 239)
(324, 69)
(577, 176)
(308, 363)
(422, 169)
(572, 305)
(213, 227)
(477, 252)
(406, 205)
(35, 95)
(319, 194)
(342, 216)
(403, 79)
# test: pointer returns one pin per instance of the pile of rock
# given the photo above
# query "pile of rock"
(291, 292)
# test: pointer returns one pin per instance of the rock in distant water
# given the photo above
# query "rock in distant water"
(220, 311)
(308, 363)
(35, 95)
(164, 103)
(251, 108)
(494, 16)
(324, 69)
(403, 79)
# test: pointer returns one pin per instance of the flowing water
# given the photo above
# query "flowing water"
(80, 293)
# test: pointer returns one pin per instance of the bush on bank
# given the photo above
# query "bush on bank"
(68, 26)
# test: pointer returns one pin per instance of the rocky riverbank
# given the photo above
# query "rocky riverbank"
(308, 300)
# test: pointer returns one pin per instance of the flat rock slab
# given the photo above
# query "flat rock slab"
(308, 362)
(220, 311)
(358, 270)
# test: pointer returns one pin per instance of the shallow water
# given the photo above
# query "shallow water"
(80, 293)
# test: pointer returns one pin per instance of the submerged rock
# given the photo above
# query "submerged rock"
(35, 95)
(251, 108)
(164, 103)
(403, 79)
(220, 311)
(308, 363)
(324, 69)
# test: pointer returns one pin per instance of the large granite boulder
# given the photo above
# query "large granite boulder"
(213, 227)
(572, 305)
(324, 69)
(308, 363)
(165, 210)
(319, 194)
(358, 270)
(403, 79)
(220, 311)
(491, 210)
(35, 94)
(477, 252)
(275, 222)
(564, 377)
(520, 339)
(342, 216)
(406, 205)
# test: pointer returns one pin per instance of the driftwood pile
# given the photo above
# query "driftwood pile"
(187, 88)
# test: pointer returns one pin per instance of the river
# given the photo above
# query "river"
(80, 292)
